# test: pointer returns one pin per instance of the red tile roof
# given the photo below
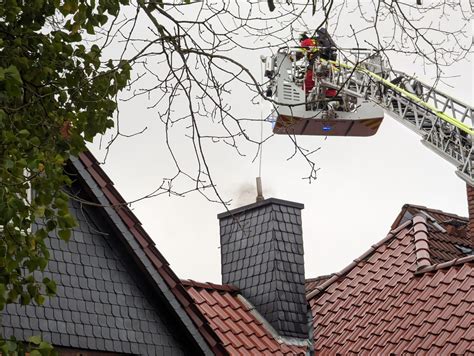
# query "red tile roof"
(92, 166)
(411, 292)
(240, 331)
(397, 297)
(442, 244)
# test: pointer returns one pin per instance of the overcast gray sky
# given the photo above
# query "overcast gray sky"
(361, 187)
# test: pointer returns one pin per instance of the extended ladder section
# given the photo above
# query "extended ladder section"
(346, 99)
(444, 123)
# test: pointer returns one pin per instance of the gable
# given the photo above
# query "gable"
(103, 302)
(142, 248)
(175, 307)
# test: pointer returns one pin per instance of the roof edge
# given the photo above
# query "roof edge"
(406, 207)
(210, 286)
(348, 268)
(258, 205)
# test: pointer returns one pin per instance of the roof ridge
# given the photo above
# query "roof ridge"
(423, 258)
(436, 211)
(420, 234)
(208, 285)
(443, 265)
(407, 206)
(348, 268)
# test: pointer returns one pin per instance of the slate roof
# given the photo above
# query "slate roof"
(144, 250)
(409, 293)
(116, 292)
(103, 302)
(236, 323)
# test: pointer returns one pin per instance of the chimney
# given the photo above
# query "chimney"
(470, 207)
(262, 254)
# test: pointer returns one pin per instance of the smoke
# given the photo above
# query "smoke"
(247, 193)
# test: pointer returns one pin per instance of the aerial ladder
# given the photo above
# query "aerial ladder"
(349, 97)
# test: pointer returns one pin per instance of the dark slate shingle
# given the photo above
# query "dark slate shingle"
(100, 297)
(265, 261)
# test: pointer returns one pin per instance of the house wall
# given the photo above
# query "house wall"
(103, 302)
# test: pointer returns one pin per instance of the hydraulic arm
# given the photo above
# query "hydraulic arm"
(443, 122)
(344, 98)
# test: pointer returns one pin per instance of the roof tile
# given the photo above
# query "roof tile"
(384, 304)
(209, 311)
(238, 329)
(217, 296)
(233, 339)
(220, 324)
(208, 297)
(198, 299)
(233, 302)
